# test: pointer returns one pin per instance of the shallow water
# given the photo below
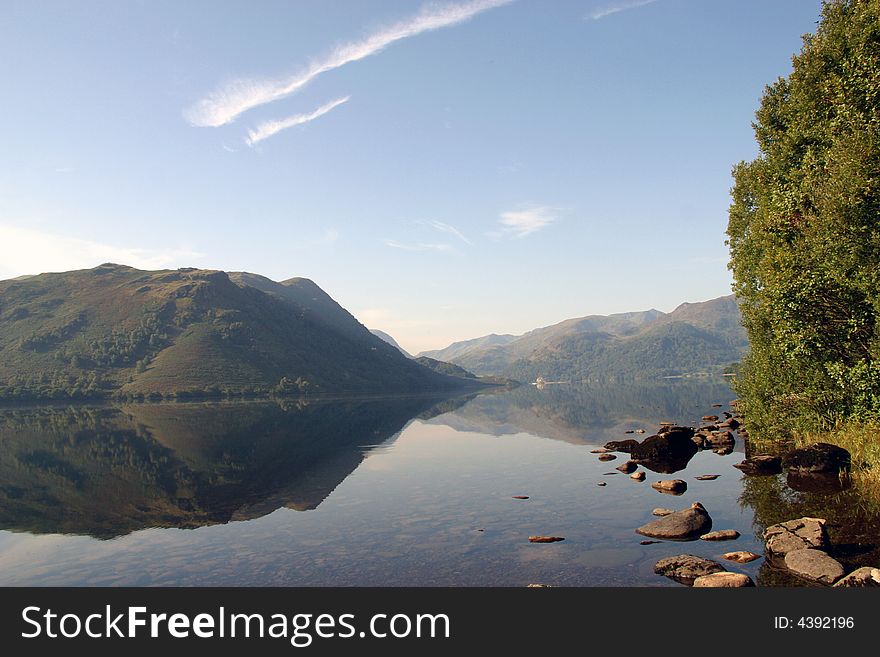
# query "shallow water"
(407, 492)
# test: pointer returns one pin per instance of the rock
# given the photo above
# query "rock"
(545, 539)
(731, 423)
(726, 415)
(866, 576)
(710, 418)
(723, 581)
(797, 534)
(638, 476)
(762, 464)
(605, 474)
(820, 457)
(742, 556)
(662, 512)
(668, 452)
(539, 586)
(721, 439)
(814, 565)
(629, 431)
(601, 483)
(685, 568)
(649, 542)
(670, 486)
(601, 450)
(723, 451)
(699, 440)
(629, 466)
(640, 431)
(721, 535)
(520, 497)
(607, 457)
(667, 427)
(621, 445)
(687, 523)
(717, 405)
(818, 482)
(711, 477)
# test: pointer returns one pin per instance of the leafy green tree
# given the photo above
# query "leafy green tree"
(804, 231)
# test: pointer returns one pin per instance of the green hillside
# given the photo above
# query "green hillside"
(117, 331)
(695, 337)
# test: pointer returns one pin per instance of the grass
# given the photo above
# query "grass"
(861, 440)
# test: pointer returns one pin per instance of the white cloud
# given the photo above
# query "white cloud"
(615, 9)
(445, 228)
(394, 244)
(233, 99)
(269, 128)
(26, 251)
(520, 223)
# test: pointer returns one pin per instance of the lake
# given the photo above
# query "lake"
(412, 491)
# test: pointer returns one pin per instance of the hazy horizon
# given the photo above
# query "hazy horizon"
(443, 170)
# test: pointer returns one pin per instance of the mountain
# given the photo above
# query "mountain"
(443, 367)
(118, 331)
(695, 337)
(382, 335)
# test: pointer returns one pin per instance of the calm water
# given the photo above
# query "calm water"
(371, 492)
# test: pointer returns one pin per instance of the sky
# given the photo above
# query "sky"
(442, 169)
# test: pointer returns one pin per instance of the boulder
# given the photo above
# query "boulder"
(819, 457)
(685, 568)
(762, 465)
(799, 534)
(621, 445)
(741, 556)
(670, 486)
(721, 439)
(814, 565)
(666, 428)
(866, 576)
(668, 452)
(685, 524)
(721, 535)
(723, 581)
(629, 466)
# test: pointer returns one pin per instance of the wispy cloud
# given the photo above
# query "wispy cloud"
(231, 100)
(616, 9)
(394, 244)
(445, 228)
(26, 251)
(520, 223)
(269, 128)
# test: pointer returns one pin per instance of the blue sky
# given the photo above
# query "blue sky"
(444, 170)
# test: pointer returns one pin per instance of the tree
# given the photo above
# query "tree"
(804, 231)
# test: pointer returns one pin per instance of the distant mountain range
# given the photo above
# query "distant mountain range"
(118, 331)
(694, 338)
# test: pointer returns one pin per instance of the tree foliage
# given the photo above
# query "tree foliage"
(804, 231)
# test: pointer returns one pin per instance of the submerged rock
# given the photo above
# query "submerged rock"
(621, 445)
(762, 464)
(687, 523)
(670, 486)
(818, 482)
(721, 535)
(797, 534)
(649, 542)
(723, 581)
(520, 497)
(607, 457)
(638, 476)
(709, 477)
(545, 539)
(866, 576)
(741, 556)
(685, 568)
(814, 565)
(662, 512)
(820, 457)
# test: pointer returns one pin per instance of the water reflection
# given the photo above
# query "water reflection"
(109, 471)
